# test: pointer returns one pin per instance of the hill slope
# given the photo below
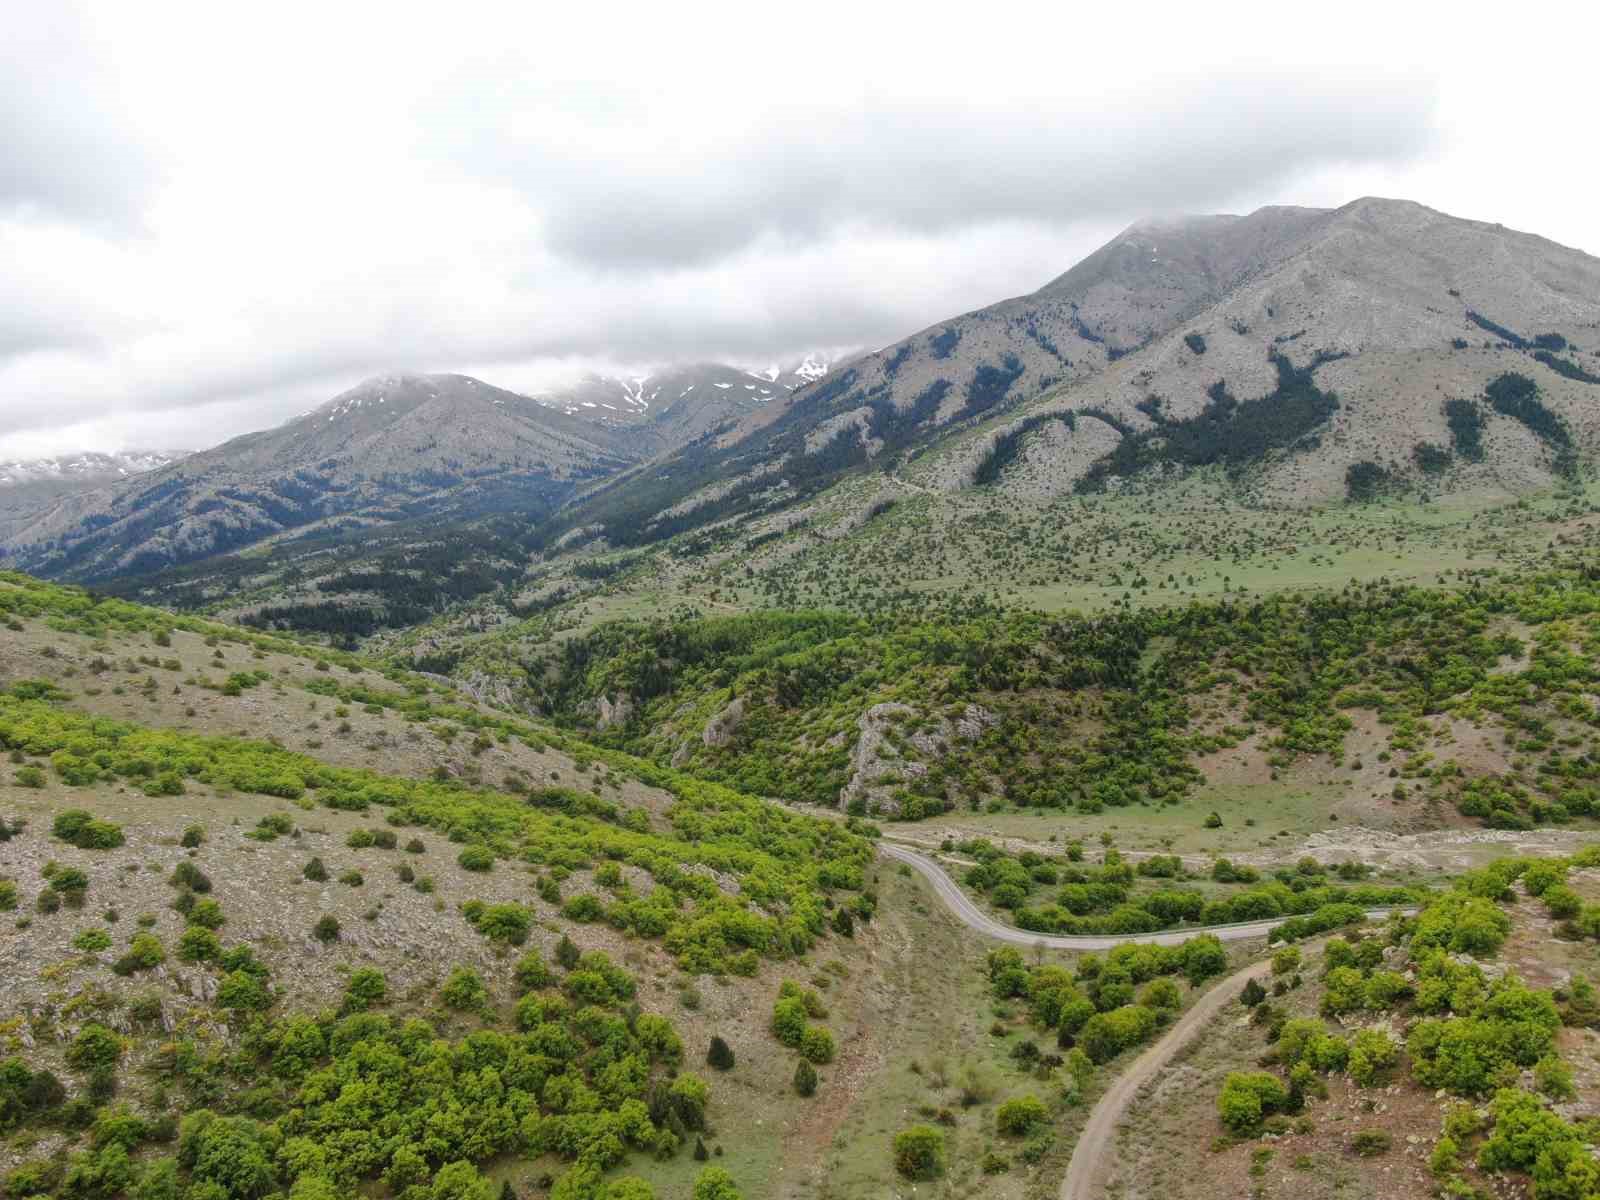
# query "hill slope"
(391, 449)
(29, 485)
(1158, 342)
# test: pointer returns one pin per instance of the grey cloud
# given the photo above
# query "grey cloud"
(69, 147)
(937, 169)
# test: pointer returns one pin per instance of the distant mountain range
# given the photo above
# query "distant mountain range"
(29, 485)
(393, 449)
(1311, 355)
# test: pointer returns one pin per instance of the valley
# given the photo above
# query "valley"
(1138, 738)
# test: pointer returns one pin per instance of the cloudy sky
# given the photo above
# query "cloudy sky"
(215, 216)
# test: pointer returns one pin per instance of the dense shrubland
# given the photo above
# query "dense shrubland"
(1070, 896)
(1424, 1007)
(1100, 712)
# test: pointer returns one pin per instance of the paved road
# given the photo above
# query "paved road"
(975, 918)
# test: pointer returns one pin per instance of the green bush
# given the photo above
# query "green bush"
(476, 858)
(95, 1046)
(1020, 1116)
(816, 1045)
(464, 991)
(85, 832)
(92, 941)
(1247, 1097)
(919, 1152)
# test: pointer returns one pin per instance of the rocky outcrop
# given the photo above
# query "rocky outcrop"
(878, 766)
(720, 729)
(610, 712)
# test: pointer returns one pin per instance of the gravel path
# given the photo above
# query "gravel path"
(975, 918)
(1097, 1139)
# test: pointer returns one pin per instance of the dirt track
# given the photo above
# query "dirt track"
(1097, 1137)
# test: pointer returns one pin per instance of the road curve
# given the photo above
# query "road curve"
(975, 918)
(1097, 1139)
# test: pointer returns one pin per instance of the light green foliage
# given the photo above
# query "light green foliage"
(95, 1046)
(1020, 1116)
(919, 1152)
(783, 874)
(713, 1183)
(92, 941)
(1372, 1053)
(1248, 1097)
(464, 990)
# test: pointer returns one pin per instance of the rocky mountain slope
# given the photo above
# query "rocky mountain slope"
(1293, 347)
(671, 407)
(28, 485)
(391, 449)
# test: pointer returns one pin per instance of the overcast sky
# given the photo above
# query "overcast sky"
(213, 217)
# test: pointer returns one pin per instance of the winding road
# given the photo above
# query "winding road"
(1096, 1140)
(975, 918)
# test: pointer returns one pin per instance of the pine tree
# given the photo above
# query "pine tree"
(507, 1192)
(700, 1154)
(1253, 994)
(566, 953)
(805, 1078)
(720, 1055)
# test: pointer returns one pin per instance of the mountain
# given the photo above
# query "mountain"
(668, 408)
(28, 485)
(90, 467)
(1309, 353)
(391, 449)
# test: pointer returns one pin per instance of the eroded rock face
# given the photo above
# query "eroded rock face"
(878, 767)
(720, 729)
(610, 712)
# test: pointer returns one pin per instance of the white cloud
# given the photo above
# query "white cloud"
(237, 213)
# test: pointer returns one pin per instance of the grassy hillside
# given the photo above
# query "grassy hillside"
(1429, 704)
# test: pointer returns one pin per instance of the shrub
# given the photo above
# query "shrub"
(367, 987)
(919, 1152)
(352, 878)
(144, 953)
(464, 991)
(789, 1020)
(714, 1183)
(720, 1055)
(1372, 1052)
(476, 858)
(507, 923)
(1021, 1116)
(92, 941)
(805, 1078)
(1370, 1143)
(187, 875)
(193, 837)
(326, 929)
(199, 944)
(1247, 1097)
(207, 913)
(8, 895)
(95, 1046)
(29, 777)
(816, 1045)
(85, 832)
